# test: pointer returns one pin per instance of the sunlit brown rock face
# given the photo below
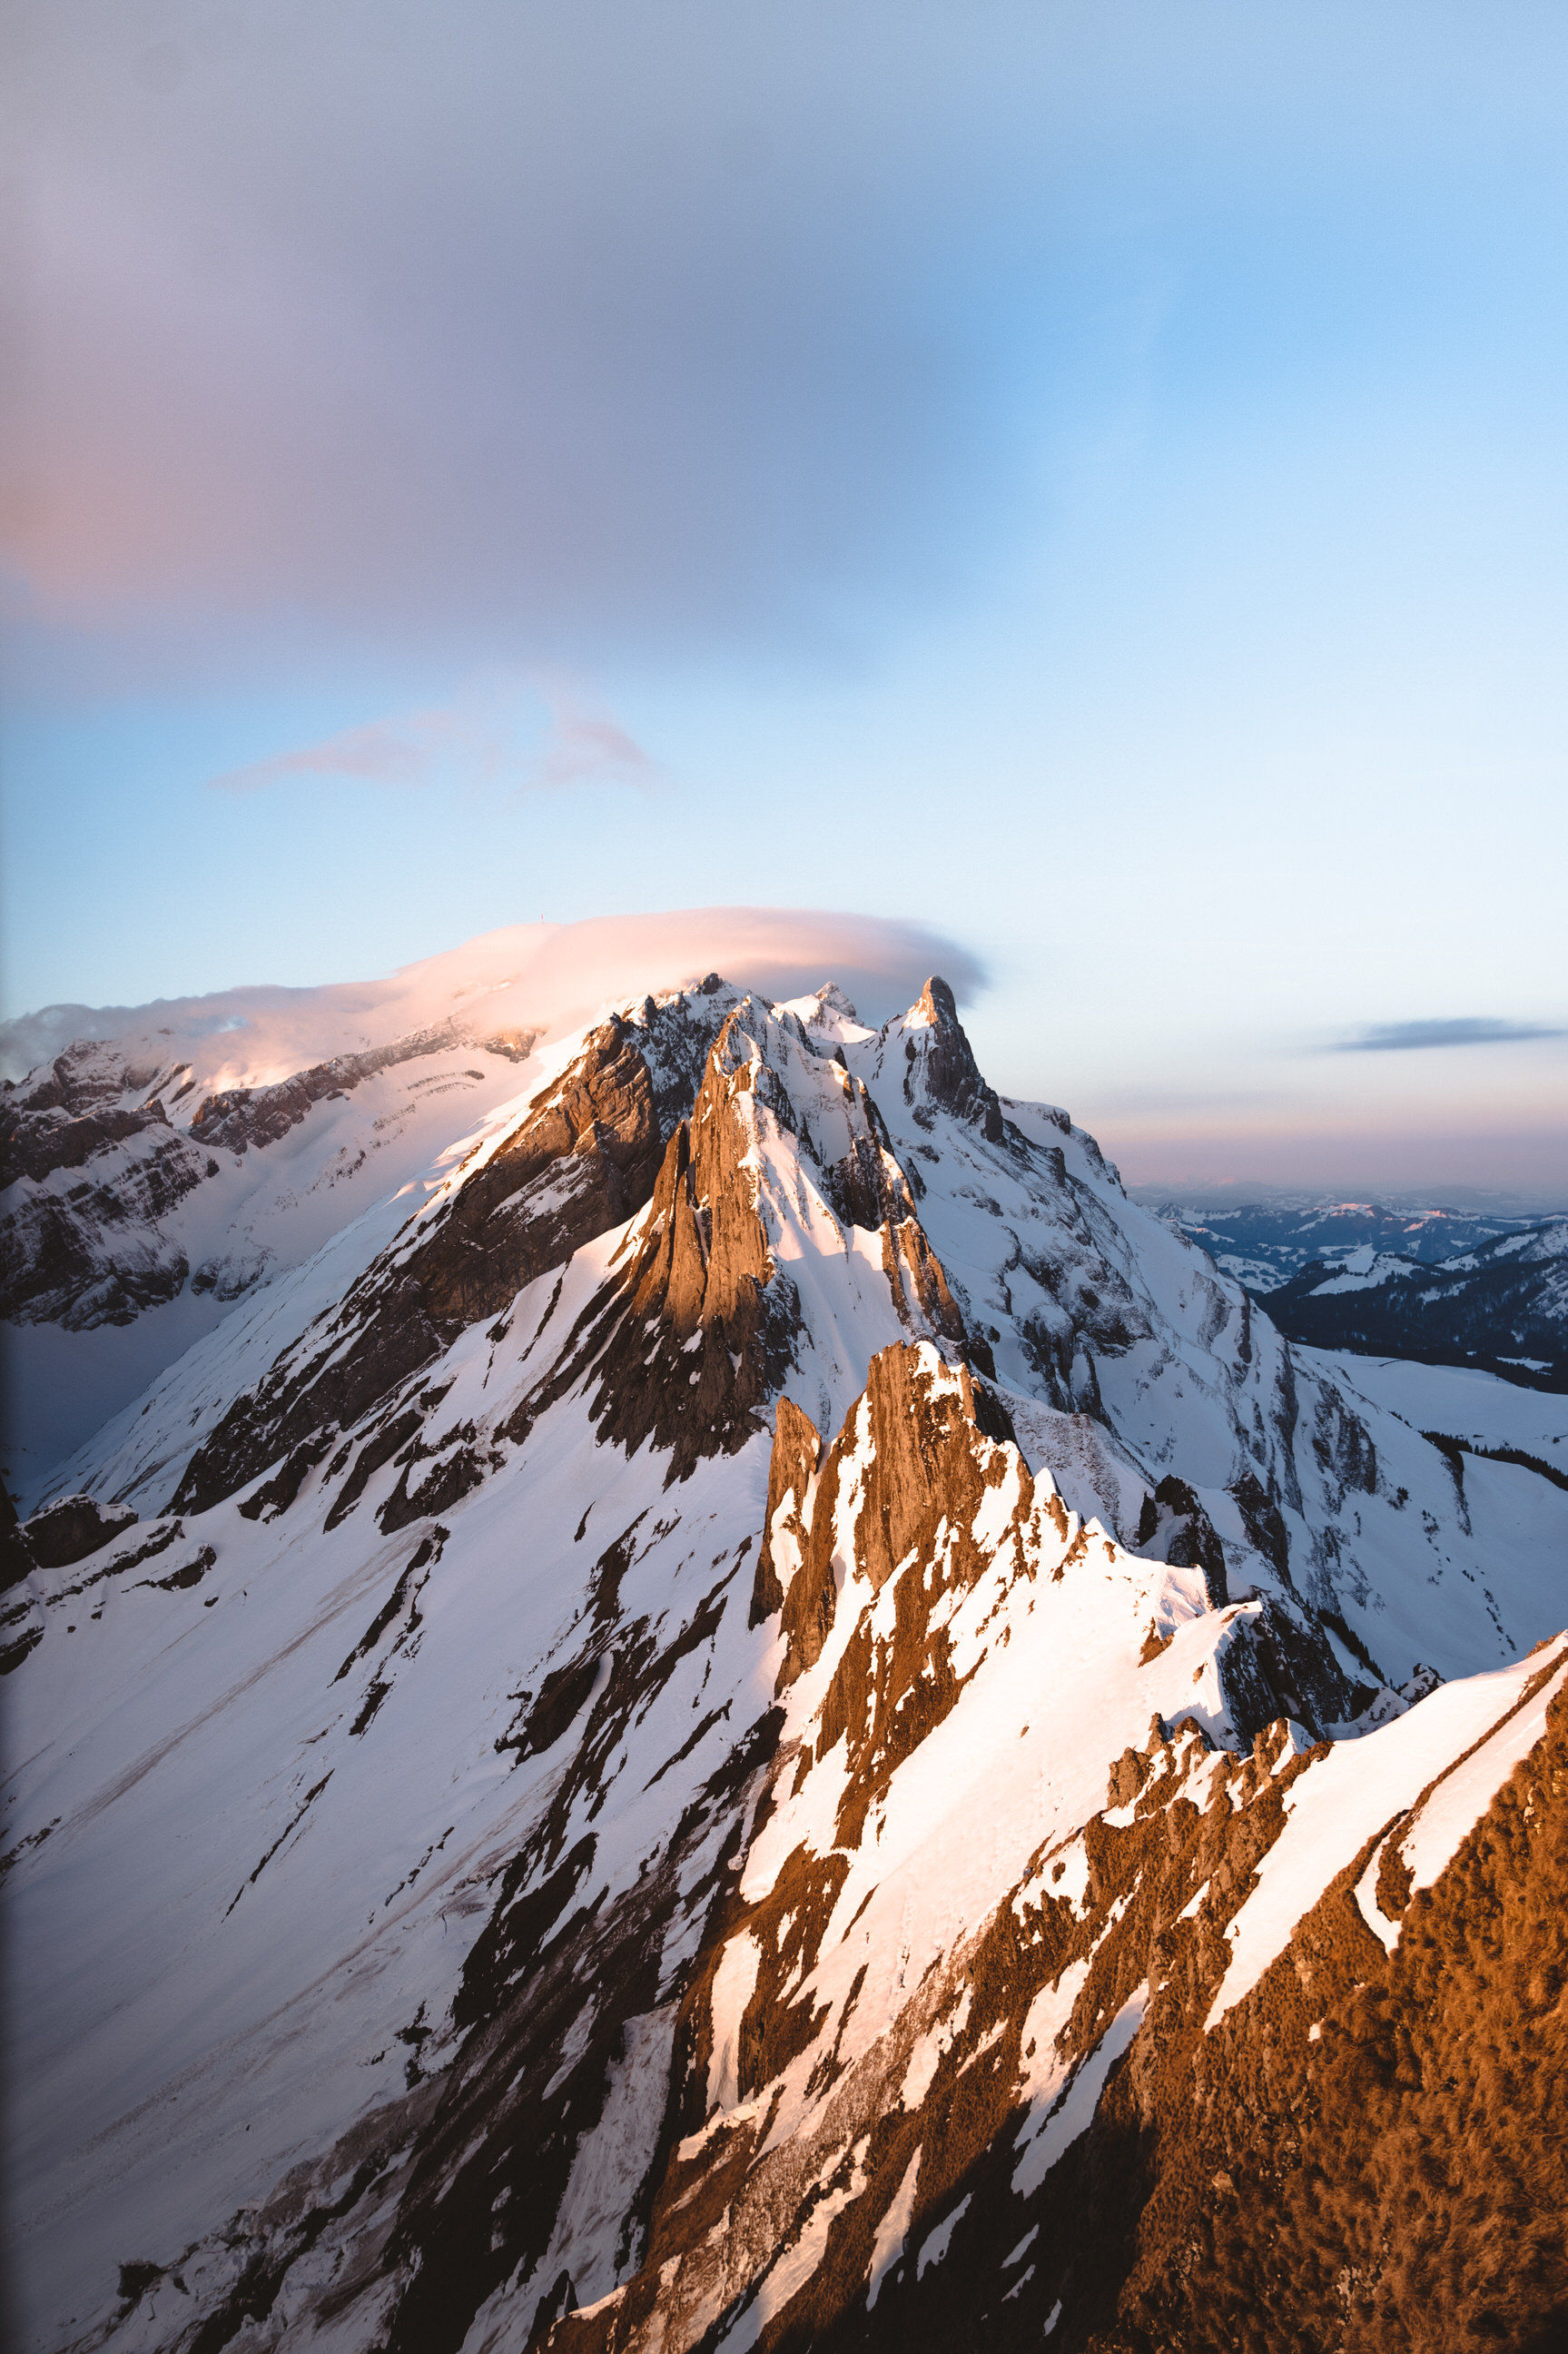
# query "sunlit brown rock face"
(582, 1160)
(787, 1725)
(908, 1452)
(1359, 2154)
(792, 1466)
(703, 1286)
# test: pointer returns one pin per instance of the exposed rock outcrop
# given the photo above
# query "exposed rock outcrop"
(1174, 1527)
(940, 1064)
(36, 1148)
(69, 1529)
(1327, 2167)
(581, 1159)
(688, 1345)
(907, 1461)
(796, 1451)
(1280, 1662)
(91, 1252)
(705, 1334)
(91, 1080)
(16, 1555)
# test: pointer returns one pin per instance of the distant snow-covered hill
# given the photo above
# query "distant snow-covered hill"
(752, 1711)
(1500, 1305)
(1263, 1243)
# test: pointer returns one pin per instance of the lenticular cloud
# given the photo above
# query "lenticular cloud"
(542, 977)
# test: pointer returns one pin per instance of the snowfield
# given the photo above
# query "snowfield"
(705, 1698)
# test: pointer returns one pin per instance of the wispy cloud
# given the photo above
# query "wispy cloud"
(409, 751)
(585, 744)
(482, 736)
(1473, 1030)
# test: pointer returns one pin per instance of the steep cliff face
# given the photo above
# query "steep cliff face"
(704, 1286)
(580, 1159)
(778, 1720)
(941, 1070)
(90, 1170)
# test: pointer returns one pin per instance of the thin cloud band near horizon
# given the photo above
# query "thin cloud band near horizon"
(1471, 1030)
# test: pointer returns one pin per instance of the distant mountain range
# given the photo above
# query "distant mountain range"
(1262, 1244)
(1500, 1305)
(1444, 1286)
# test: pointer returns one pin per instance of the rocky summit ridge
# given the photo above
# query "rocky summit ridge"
(758, 1714)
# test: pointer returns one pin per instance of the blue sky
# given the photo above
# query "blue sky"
(1091, 480)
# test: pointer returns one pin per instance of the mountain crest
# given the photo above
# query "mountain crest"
(777, 1721)
(940, 1067)
(706, 1333)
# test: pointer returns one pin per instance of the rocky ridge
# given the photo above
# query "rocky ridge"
(96, 1248)
(788, 1723)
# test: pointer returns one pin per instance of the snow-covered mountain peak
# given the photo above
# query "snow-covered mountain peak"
(687, 1732)
(828, 1011)
(926, 1055)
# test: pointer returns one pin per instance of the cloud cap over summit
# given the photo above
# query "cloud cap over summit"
(543, 976)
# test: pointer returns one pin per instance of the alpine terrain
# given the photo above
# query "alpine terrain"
(681, 1686)
(1502, 1304)
(1263, 1243)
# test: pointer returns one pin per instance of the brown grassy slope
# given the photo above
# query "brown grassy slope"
(1398, 2183)
(1397, 2186)
(1402, 2182)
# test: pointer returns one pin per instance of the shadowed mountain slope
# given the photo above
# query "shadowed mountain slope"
(779, 1720)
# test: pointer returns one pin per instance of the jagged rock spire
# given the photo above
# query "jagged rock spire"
(944, 1062)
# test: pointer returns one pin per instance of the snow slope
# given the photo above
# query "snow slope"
(1465, 1402)
(695, 1704)
(139, 1200)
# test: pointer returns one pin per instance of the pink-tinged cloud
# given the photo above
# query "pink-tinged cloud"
(547, 978)
(475, 739)
(386, 752)
(583, 747)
